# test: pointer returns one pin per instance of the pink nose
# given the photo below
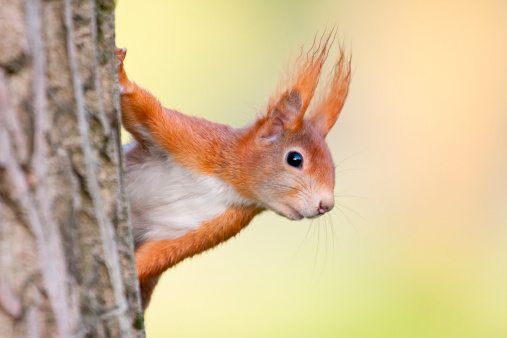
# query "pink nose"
(325, 207)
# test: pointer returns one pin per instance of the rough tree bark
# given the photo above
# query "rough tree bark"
(66, 253)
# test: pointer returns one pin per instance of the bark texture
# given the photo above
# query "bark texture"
(66, 250)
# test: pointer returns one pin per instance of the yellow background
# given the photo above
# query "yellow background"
(417, 245)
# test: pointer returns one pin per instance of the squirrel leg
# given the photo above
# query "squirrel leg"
(142, 114)
(127, 89)
(147, 288)
(186, 138)
(154, 257)
(125, 83)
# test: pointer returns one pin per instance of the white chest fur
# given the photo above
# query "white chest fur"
(168, 200)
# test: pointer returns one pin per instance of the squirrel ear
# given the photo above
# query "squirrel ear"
(286, 111)
(328, 110)
(287, 114)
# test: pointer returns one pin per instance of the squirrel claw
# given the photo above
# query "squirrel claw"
(125, 85)
(120, 56)
(120, 53)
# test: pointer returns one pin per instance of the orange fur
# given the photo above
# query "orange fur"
(155, 257)
(183, 136)
(328, 109)
(307, 74)
(233, 154)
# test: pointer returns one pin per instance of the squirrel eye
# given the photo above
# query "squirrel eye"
(295, 159)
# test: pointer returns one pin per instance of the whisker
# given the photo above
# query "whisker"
(285, 188)
(352, 196)
(300, 246)
(349, 157)
(352, 211)
(333, 236)
(347, 170)
(347, 219)
(324, 219)
(315, 258)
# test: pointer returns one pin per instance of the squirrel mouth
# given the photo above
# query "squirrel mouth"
(294, 214)
(287, 211)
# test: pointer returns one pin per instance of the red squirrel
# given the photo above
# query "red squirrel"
(193, 184)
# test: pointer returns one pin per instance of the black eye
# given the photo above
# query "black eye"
(295, 159)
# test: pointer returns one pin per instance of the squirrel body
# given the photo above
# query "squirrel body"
(178, 199)
(193, 184)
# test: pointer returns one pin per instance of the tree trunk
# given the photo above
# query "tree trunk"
(66, 250)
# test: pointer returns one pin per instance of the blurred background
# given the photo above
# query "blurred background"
(417, 243)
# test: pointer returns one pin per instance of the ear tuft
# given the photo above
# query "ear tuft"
(286, 110)
(328, 110)
(306, 77)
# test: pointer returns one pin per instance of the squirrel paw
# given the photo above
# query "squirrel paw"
(120, 55)
(125, 84)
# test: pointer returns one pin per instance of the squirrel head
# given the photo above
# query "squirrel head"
(293, 171)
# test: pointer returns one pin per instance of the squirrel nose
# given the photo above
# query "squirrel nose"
(325, 207)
